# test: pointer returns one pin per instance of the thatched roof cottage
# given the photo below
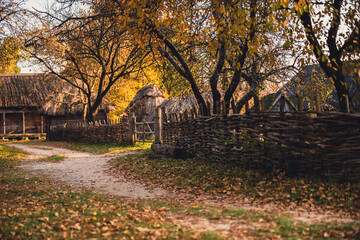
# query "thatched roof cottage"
(145, 101)
(30, 103)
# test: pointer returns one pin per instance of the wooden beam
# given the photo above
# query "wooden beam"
(11, 111)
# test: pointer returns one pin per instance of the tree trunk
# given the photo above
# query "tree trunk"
(256, 102)
(239, 105)
(90, 114)
(341, 90)
(216, 101)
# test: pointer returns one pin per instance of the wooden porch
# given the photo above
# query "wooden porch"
(21, 124)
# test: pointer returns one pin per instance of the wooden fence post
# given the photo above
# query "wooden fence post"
(132, 128)
(317, 102)
(262, 105)
(299, 103)
(247, 108)
(347, 103)
(164, 114)
(208, 106)
(201, 110)
(282, 105)
(157, 126)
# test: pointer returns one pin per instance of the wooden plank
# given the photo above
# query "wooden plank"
(11, 111)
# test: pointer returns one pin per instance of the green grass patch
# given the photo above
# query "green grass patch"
(198, 176)
(98, 148)
(9, 157)
(52, 158)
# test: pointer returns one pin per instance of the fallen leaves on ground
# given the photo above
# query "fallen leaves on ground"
(230, 181)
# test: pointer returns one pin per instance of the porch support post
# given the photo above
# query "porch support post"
(42, 124)
(23, 123)
(4, 124)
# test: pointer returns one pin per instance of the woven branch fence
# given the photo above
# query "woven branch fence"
(100, 131)
(301, 143)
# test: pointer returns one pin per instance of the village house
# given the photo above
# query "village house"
(311, 82)
(31, 103)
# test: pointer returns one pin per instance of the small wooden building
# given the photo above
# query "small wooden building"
(30, 103)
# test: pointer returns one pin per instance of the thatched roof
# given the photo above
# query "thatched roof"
(26, 90)
(145, 101)
(152, 91)
(180, 104)
(43, 91)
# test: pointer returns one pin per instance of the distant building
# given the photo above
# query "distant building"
(312, 81)
(30, 103)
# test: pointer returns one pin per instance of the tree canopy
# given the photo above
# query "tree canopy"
(11, 24)
(91, 54)
(332, 32)
(211, 45)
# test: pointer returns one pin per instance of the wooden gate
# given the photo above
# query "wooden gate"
(145, 131)
(141, 131)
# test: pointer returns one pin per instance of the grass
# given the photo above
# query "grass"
(52, 158)
(97, 148)
(33, 207)
(197, 176)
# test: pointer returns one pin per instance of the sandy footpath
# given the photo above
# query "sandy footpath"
(83, 169)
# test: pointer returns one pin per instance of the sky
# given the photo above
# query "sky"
(26, 66)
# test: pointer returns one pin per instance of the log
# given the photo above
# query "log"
(165, 149)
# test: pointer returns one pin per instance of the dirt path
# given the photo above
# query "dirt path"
(85, 170)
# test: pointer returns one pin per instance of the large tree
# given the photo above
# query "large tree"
(89, 53)
(12, 15)
(332, 29)
(186, 31)
(9, 56)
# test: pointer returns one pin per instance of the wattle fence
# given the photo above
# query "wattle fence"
(300, 143)
(91, 132)
(325, 144)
